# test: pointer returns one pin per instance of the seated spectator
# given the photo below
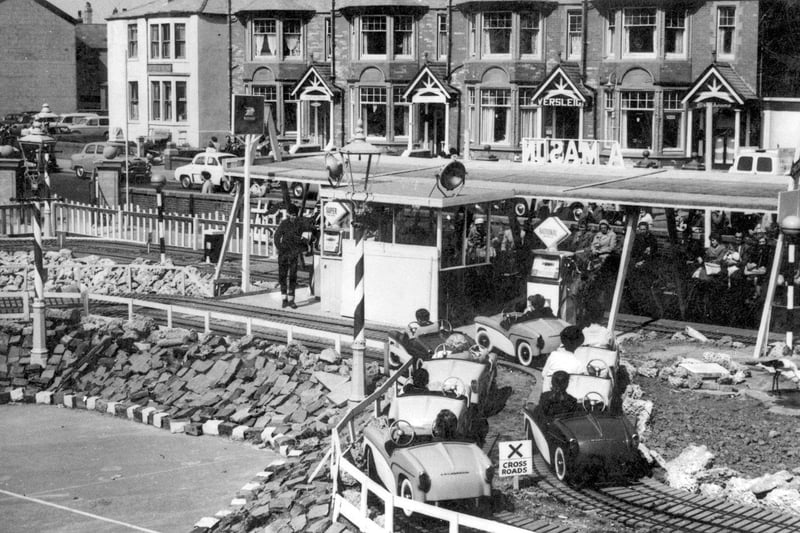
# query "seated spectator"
(537, 308)
(645, 245)
(715, 254)
(604, 241)
(445, 427)
(418, 383)
(564, 358)
(557, 401)
(581, 239)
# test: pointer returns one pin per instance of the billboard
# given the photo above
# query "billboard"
(248, 114)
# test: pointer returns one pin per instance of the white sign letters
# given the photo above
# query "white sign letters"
(570, 152)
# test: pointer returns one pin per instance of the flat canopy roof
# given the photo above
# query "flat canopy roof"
(409, 180)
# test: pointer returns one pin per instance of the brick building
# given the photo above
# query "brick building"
(482, 78)
(38, 63)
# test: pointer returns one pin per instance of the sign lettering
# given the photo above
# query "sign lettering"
(516, 458)
(570, 152)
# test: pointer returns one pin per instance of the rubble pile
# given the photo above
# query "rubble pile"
(279, 396)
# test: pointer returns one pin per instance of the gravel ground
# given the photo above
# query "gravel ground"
(738, 429)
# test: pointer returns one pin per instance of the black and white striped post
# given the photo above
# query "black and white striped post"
(39, 345)
(790, 226)
(158, 181)
(353, 152)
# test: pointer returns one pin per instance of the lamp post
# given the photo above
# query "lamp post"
(158, 181)
(790, 226)
(354, 151)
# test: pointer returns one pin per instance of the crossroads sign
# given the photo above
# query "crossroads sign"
(516, 458)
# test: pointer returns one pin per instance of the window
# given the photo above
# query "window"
(608, 110)
(403, 34)
(291, 38)
(373, 35)
(495, 116)
(155, 100)
(527, 113)
(529, 34)
(496, 33)
(400, 112)
(637, 119)
(133, 41)
(289, 110)
(180, 41)
(133, 100)
(270, 94)
(373, 111)
(675, 33)
(265, 38)
(640, 31)
(441, 36)
(726, 24)
(472, 118)
(611, 34)
(472, 44)
(168, 101)
(574, 35)
(673, 119)
(268, 33)
(328, 38)
(161, 43)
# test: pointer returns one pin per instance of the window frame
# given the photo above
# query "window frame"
(671, 105)
(363, 115)
(612, 35)
(133, 100)
(484, 30)
(528, 110)
(489, 98)
(390, 25)
(163, 43)
(626, 28)
(537, 53)
(402, 107)
(684, 40)
(166, 104)
(629, 105)
(283, 27)
(133, 41)
(573, 31)
(724, 29)
(441, 35)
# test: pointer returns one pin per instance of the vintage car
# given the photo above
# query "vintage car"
(471, 377)
(594, 443)
(215, 163)
(93, 127)
(85, 161)
(524, 340)
(412, 456)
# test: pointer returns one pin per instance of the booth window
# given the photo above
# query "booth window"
(378, 223)
(415, 226)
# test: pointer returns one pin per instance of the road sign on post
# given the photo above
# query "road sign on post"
(516, 459)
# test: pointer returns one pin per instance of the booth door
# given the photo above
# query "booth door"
(317, 125)
(398, 280)
(561, 122)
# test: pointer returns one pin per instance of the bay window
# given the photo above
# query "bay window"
(291, 38)
(168, 101)
(382, 34)
(640, 31)
(180, 41)
(373, 111)
(496, 33)
(403, 35)
(180, 101)
(495, 116)
(265, 38)
(574, 35)
(529, 34)
(637, 119)
(726, 26)
(162, 45)
(155, 100)
(277, 39)
(166, 44)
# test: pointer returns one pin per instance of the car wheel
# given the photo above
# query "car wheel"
(186, 182)
(483, 340)
(524, 353)
(560, 464)
(298, 189)
(80, 172)
(226, 184)
(406, 491)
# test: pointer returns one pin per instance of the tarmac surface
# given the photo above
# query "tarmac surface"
(67, 471)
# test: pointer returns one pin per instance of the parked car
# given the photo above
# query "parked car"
(215, 163)
(66, 120)
(415, 460)
(524, 340)
(90, 127)
(85, 161)
(594, 443)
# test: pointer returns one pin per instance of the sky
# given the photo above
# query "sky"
(101, 9)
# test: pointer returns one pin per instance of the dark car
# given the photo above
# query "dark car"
(85, 161)
(594, 443)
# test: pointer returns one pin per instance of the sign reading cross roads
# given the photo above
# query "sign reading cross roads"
(516, 458)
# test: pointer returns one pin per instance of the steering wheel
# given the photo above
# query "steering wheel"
(596, 367)
(401, 433)
(454, 385)
(412, 327)
(445, 326)
(478, 352)
(440, 352)
(593, 401)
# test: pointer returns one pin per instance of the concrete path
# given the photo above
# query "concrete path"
(71, 471)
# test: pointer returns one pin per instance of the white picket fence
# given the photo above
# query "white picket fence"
(140, 226)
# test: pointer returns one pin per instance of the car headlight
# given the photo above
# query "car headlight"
(488, 475)
(573, 446)
(424, 482)
(635, 440)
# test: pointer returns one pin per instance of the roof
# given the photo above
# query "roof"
(411, 180)
(282, 5)
(507, 4)
(179, 7)
(422, 5)
(50, 7)
(317, 75)
(95, 36)
(430, 78)
(720, 81)
(564, 81)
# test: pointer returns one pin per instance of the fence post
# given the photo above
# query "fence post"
(85, 301)
(120, 222)
(130, 278)
(196, 237)
(183, 281)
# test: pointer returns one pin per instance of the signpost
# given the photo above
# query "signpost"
(516, 459)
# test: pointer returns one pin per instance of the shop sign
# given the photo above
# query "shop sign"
(564, 101)
(570, 152)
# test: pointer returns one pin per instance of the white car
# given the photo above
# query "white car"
(213, 162)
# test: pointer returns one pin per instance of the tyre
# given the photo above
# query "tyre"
(226, 184)
(406, 491)
(525, 355)
(560, 464)
(80, 172)
(483, 340)
(186, 182)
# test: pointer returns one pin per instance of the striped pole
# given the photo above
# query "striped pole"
(161, 230)
(39, 348)
(359, 343)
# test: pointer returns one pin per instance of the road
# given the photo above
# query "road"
(73, 471)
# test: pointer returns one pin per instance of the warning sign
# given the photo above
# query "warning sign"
(516, 457)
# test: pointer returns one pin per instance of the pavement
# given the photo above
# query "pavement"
(84, 472)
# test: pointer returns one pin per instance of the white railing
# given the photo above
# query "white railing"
(345, 432)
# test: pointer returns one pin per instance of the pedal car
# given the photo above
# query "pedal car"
(416, 341)
(590, 444)
(524, 340)
(469, 378)
(416, 456)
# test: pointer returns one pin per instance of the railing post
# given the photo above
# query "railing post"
(195, 232)
(130, 278)
(120, 222)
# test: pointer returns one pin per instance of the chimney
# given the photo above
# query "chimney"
(87, 14)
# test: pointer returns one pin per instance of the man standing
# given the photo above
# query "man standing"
(207, 185)
(289, 243)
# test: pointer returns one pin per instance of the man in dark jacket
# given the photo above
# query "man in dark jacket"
(289, 243)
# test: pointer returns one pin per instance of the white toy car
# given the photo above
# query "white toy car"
(215, 163)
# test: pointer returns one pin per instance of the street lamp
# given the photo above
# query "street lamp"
(354, 151)
(790, 226)
(158, 181)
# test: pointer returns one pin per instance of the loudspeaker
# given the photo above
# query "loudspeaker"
(451, 176)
